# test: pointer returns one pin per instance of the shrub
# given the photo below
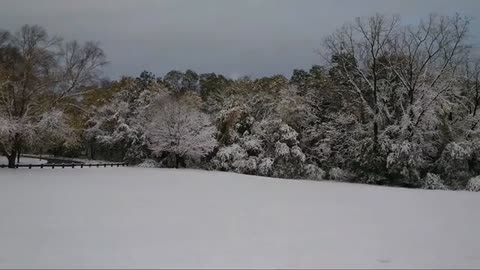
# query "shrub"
(473, 184)
(340, 175)
(149, 163)
(313, 172)
(454, 163)
(433, 181)
(228, 157)
(265, 167)
(404, 163)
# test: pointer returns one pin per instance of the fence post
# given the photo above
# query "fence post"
(67, 165)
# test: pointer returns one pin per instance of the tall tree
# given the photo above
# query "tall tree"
(363, 43)
(46, 72)
(426, 60)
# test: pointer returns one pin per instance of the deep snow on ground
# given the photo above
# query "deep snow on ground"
(23, 160)
(43, 159)
(160, 218)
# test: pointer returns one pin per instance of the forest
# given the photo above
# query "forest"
(389, 103)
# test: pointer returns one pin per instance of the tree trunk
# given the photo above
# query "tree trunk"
(17, 145)
(375, 127)
(18, 156)
(11, 160)
(177, 161)
(92, 151)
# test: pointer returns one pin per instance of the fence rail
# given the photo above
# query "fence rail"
(67, 165)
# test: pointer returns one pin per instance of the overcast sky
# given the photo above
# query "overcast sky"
(235, 38)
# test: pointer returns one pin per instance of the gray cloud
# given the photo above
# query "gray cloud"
(247, 37)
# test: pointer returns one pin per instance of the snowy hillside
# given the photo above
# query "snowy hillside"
(143, 218)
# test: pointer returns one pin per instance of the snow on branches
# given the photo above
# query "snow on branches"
(182, 131)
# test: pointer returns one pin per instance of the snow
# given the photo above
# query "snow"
(474, 184)
(44, 158)
(181, 129)
(166, 218)
(23, 160)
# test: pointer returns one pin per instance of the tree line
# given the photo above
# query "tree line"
(391, 104)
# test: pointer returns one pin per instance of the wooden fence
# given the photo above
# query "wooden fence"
(67, 165)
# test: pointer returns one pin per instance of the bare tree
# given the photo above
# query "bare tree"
(426, 60)
(357, 48)
(44, 72)
(472, 85)
(412, 67)
(468, 98)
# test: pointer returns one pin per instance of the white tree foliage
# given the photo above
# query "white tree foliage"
(473, 184)
(122, 122)
(395, 104)
(53, 127)
(179, 129)
(433, 181)
(44, 73)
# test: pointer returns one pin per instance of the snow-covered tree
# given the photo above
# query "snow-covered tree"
(473, 184)
(406, 81)
(50, 129)
(40, 73)
(53, 128)
(433, 181)
(269, 148)
(118, 128)
(180, 131)
(394, 104)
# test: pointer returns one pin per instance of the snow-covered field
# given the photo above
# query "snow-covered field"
(160, 218)
(33, 160)
(23, 160)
